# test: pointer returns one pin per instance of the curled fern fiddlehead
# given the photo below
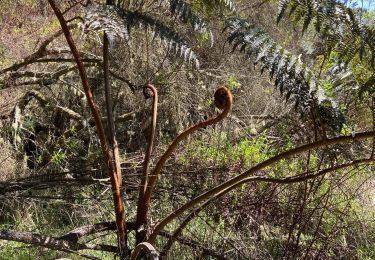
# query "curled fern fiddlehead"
(148, 92)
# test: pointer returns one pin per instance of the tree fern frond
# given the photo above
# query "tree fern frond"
(184, 12)
(170, 38)
(337, 24)
(291, 77)
(228, 4)
(117, 24)
(283, 5)
(104, 19)
(308, 16)
(273, 58)
(320, 18)
(265, 49)
(298, 14)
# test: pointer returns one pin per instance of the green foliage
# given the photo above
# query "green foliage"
(223, 151)
(340, 27)
(290, 75)
(117, 23)
(185, 13)
(329, 90)
(209, 8)
(58, 157)
(18, 251)
(292, 78)
(232, 83)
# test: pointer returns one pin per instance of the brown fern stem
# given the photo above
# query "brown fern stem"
(119, 208)
(223, 100)
(141, 231)
(146, 247)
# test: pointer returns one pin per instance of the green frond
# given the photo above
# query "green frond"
(118, 23)
(283, 5)
(338, 25)
(282, 66)
(168, 36)
(291, 77)
(104, 19)
(308, 17)
(184, 12)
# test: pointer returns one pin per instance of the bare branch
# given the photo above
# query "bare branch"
(226, 186)
(41, 51)
(77, 233)
(43, 102)
(287, 180)
(42, 78)
(51, 242)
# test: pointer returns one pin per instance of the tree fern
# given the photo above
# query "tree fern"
(169, 38)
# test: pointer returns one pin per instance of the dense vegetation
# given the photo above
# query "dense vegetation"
(89, 171)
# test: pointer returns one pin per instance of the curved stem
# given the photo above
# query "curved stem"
(144, 246)
(141, 214)
(287, 180)
(181, 227)
(232, 183)
(223, 100)
(179, 138)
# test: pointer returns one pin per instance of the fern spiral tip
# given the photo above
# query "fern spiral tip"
(223, 98)
(148, 91)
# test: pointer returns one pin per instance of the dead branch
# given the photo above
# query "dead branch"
(51, 242)
(41, 51)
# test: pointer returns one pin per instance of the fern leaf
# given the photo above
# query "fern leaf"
(264, 50)
(228, 4)
(117, 24)
(167, 35)
(291, 77)
(337, 24)
(255, 41)
(104, 19)
(308, 16)
(283, 4)
(184, 12)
